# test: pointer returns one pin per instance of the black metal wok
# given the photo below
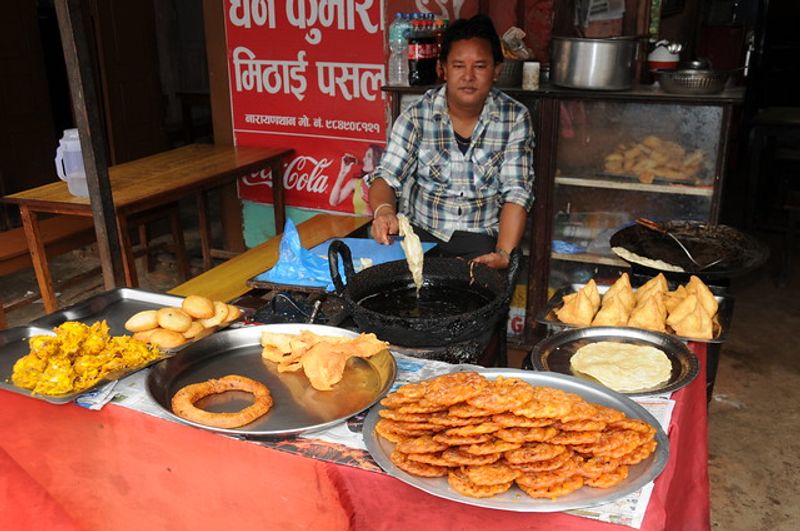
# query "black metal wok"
(738, 253)
(460, 300)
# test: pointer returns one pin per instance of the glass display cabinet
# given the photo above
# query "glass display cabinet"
(616, 161)
(602, 160)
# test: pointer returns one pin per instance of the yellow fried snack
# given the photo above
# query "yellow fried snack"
(683, 308)
(690, 319)
(704, 295)
(614, 312)
(591, 291)
(674, 298)
(78, 357)
(322, 358)
(657, 284)
(461, 483)
(622, 290)
(649, 315)
(485, 457)
(577, 309)
(417, 468)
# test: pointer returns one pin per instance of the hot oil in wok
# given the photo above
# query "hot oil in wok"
(433, 301)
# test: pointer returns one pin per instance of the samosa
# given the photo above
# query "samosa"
(612, 313)
(704, 295)
(674, 298)
(690, 319)
(649, 314)
(621, 290)
(657, 284)
(577, 309)
(593, 293)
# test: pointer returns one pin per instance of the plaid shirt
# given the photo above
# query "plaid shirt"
(442, 190)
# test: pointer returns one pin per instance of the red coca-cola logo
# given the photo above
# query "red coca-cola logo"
(420, 51)
(306, 174)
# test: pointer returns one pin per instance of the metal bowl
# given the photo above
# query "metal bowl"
(690, 81)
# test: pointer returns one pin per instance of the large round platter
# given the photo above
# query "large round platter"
(516, 500)
(555, 352)
(297, 407)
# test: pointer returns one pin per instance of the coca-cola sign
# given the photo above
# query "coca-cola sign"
(307, 174)
(308, 181)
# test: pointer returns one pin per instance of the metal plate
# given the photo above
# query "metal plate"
(722, 322)
(297, 407)
(516, 500)
(555, 352)
(116, 306)
(14, 345)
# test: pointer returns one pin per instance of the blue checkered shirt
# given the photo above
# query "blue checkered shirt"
(442, 190)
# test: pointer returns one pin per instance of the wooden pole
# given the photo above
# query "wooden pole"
(214, 16)
(72, 24)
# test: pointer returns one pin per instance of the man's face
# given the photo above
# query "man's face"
(470, 71)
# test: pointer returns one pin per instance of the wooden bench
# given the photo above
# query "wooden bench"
(61, 234)
(228, 280)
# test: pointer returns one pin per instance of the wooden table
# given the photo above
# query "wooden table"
(145, 184)
(229, 279)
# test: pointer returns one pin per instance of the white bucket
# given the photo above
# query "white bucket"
(69, 163)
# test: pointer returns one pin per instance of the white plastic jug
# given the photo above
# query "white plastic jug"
(69, 163)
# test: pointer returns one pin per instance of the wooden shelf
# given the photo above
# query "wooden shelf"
(591, 258)
(636, 186)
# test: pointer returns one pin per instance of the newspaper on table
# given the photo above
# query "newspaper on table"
(130, 393)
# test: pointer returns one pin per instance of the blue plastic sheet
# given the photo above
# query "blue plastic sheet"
(302, 267)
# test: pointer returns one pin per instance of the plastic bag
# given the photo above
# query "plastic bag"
(296, 265)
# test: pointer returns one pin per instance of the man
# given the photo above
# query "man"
(461, 159)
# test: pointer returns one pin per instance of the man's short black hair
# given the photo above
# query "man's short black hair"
(477, 27)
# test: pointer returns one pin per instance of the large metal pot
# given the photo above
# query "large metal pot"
(597, 64)
(454, 282)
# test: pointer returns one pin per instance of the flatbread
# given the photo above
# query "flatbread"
(621, 366)
(633, 258)
(413, 249)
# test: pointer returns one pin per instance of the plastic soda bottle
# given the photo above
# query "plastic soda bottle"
(398, 51)
(422, 53)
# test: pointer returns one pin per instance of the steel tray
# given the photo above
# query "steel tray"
(297, 407)
(14, 345)
(555, 352)
(515, 500)
(116, 306)
(547, 316)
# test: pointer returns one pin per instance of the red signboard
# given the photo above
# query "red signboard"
(307, 74)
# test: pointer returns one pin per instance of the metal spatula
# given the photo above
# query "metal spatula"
(652, 225)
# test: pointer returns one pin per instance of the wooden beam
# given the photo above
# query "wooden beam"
(72, 24)
(214, 16)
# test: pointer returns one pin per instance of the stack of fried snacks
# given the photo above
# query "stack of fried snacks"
(654, 157)
(77, 357)
(487, 435)
(689, 311)
(172, 327)
(322, 358)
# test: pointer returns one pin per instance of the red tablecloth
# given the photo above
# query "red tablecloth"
(65, 467)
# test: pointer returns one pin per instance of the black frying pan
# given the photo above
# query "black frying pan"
(740, 253)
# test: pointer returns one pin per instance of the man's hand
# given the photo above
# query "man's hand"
(384, 225)
(494, 260)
